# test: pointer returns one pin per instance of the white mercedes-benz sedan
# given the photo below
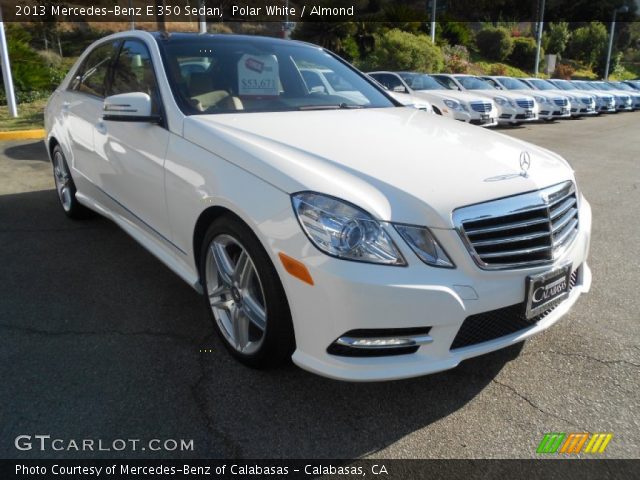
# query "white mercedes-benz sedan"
(364, 240)
(461, 106)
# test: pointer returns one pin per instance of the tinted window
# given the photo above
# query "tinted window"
(92, 75)
(214, 75)
(389, 81)
(446, 81)
(133, 72)
(473, 83)
(420, 81)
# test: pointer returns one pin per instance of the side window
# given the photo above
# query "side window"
(389, 81)
(133, 72)
(492, 82)
(447, 81)
(92, 74)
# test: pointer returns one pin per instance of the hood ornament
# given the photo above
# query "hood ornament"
(525, 163)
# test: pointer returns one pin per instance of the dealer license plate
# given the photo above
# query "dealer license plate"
(547, 290)
(528, 114)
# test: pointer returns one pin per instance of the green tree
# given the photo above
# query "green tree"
(556, 38)
(398, 50)
(524, 53)
(29, 70)
(588, 43)
(494, 43)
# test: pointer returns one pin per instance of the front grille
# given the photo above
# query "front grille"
(561, 102)
(586, 100)
(482, 107)
(524, 103)
(520, 231)
(486, 326)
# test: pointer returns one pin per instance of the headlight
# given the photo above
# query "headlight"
(503, 101)
(452, 104)
(541, 99)
(424, 245)
(343, 230)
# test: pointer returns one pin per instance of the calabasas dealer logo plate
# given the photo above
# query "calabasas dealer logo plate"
(547, 290)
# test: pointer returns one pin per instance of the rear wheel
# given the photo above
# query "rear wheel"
(65, 187)
(245, 296)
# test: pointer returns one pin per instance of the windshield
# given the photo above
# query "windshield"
(513, 84)
(583, 86)
(474, 83)
(542, 84)
(564, 85)
(621, 86)
(222, 75)
(420, 81)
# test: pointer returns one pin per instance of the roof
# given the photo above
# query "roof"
(181, 37)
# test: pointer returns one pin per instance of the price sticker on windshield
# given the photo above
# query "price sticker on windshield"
(258, 76)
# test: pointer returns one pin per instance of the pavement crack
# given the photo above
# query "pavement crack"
(141, 333)
(585, 356)
(532, 404)
(197, 392)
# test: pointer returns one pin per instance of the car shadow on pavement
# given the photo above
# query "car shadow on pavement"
(24, 151)
(99, 340)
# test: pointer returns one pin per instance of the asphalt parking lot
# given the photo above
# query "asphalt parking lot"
(99, 340)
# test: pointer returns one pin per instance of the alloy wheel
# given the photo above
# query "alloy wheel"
(62, 179)
(235, 294)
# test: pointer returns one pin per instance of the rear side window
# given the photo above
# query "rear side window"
(93, 73)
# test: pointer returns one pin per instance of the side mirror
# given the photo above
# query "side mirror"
(129, 107)
(399, 89)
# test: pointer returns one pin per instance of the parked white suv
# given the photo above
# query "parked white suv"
(552, 106)
(513, 108)
(362, 239)
(458, 105)
(580, 103)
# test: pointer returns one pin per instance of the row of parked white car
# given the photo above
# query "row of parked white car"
(491, 100)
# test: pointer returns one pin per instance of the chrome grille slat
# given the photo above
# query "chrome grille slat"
(566, 205)
(514, 239)
(481, 106)
(513, 253)
(529, 229)
(508, 226)
(563, 234)
(565, 219)
(524, 103)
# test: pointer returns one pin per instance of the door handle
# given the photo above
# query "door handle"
(101, 128)
(65, 107)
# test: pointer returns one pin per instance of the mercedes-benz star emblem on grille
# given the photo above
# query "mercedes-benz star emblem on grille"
(525, 163)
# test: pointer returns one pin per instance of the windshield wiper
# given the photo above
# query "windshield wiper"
(341, 106)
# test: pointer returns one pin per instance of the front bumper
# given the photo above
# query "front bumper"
(488, 119)
(552, 111)
(350, 296)
(508, 114)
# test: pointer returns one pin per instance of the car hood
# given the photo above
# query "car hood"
(399, 164)
(501, 93)
(450, 94)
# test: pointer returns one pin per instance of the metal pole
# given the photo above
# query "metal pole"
(539, 42)
(433, 21)
(203, 18)
(132, 21)
(287, 31)
(6, 71)
(613, 29)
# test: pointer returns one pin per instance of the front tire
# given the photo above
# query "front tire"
(65, 187)
(244, 295)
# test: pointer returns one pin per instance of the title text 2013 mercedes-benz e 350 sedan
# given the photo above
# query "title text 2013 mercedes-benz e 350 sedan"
(363, 239)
